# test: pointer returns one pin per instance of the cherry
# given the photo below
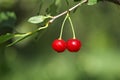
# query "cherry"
(59, 45)
(74, 45)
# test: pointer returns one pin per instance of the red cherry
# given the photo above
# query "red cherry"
(59, 45)
(74, 45)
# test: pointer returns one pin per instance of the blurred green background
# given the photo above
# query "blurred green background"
(97, 26)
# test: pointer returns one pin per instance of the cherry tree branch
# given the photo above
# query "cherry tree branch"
(47, 24)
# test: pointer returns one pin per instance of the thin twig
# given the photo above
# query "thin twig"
(69, 10)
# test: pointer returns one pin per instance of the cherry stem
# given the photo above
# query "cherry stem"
(70, 20)
(65, 12)
(61, 32)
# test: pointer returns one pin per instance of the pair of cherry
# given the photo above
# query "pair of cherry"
(73, 45)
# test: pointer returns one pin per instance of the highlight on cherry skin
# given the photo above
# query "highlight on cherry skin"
(59, 45)
(74, 45)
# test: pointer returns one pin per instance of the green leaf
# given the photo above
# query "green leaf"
(7, 19)
(92, 2)
(38, 19)
(3, 16)
(6, 37)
